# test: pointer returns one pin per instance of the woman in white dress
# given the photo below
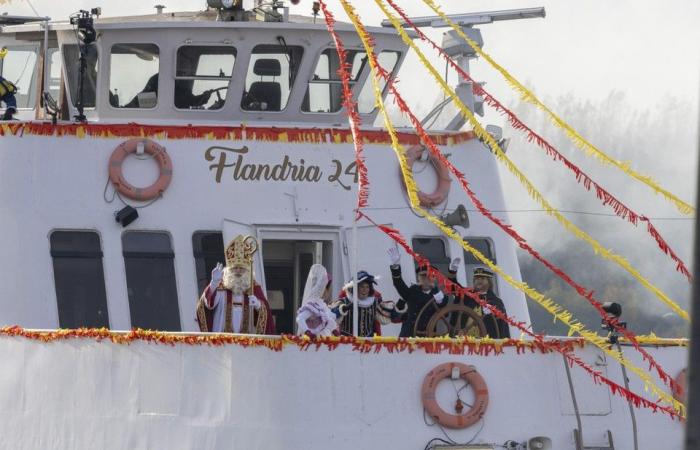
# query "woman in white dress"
(315, 318)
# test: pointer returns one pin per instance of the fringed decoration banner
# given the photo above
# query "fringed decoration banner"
(351, 109)
(557, 311)
(438, 345)
(572, 359)
(522, 243)
(605, 197)
(576, 138)
(532, 191)
(263, 134)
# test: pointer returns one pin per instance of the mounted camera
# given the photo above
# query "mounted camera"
(613, 311)
(84, 22)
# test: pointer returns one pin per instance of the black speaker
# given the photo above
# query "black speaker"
(126, 215)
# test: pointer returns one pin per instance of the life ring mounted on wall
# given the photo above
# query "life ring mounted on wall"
(473, 379)
(157, 152)
(442, 189)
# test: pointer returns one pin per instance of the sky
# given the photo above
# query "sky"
(626, 72)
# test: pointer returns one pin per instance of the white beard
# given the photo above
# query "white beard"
(236, 284)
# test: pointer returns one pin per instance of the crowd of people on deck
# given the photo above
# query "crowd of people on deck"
(234, 303)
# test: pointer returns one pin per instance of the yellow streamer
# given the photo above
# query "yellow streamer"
(532, 191)
(412, 189)
(574, 135)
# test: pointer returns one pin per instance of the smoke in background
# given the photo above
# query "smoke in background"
(659, 141)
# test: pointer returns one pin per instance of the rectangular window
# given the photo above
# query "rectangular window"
(366, 100)
(433, 249)
(150, 279)
(271, 74)
(54, 70)
(79, 278)
(133, 76)
(19, 67)
(71, 60)
(208, 249)
(484, 246)
(325, 91)
(203, 75)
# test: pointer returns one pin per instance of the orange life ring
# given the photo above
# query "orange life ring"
(679, 390)
(473, 378)
(443, 185)
(127, 189)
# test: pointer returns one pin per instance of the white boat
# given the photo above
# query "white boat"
(269, 154)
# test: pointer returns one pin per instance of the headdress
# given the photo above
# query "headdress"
(240, 251)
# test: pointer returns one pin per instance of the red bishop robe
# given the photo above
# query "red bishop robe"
(213, 304)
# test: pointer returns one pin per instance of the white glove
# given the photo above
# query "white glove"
(254, 302)
(216, 276)
(486, 310)
(454, 265)
(439, 297)
(394, 256)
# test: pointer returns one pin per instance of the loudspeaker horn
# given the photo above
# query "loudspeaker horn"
(458, 217)
(539, 443)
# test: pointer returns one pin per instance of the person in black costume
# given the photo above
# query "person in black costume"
(415, 297)
(483, 285)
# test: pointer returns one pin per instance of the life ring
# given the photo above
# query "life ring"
(473, 378)
(125, 188)
(679, 389)
(443, 185)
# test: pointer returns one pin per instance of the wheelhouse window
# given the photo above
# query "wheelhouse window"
(133, 76)
(366, 100)
(150, 280)
(433, 249)
(79, 279)
(271, 74)
(19, 67)
(54, 70)
(484, 246)
(203, 75)
(71, 60)
(208, 249)
(325, 91)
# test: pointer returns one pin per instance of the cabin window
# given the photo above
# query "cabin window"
(325, 91)
(150, 280)
(434, 250)
(71, 61)
(19, 67)
(208, 249)
(271, 74)
(133, 76)
(54, 70)
(79, 279)
(483, 245)
(366, 101)
(203, 75)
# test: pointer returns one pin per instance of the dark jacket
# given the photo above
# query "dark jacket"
(495, 328)
(415, 299)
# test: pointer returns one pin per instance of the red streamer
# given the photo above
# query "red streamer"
(522, 243)
(572, 359)
(351, 109)
(606, 198)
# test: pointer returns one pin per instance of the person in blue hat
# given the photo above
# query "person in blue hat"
(373, 311)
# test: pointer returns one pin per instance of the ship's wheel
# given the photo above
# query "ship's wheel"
(452, 320)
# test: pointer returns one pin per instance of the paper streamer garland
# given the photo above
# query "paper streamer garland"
(532, 191)
(605, 197)
(351, 108)
(522, 243)
(412, 189)
(575, 137)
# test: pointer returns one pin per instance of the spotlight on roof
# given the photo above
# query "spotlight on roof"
(223, 4)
